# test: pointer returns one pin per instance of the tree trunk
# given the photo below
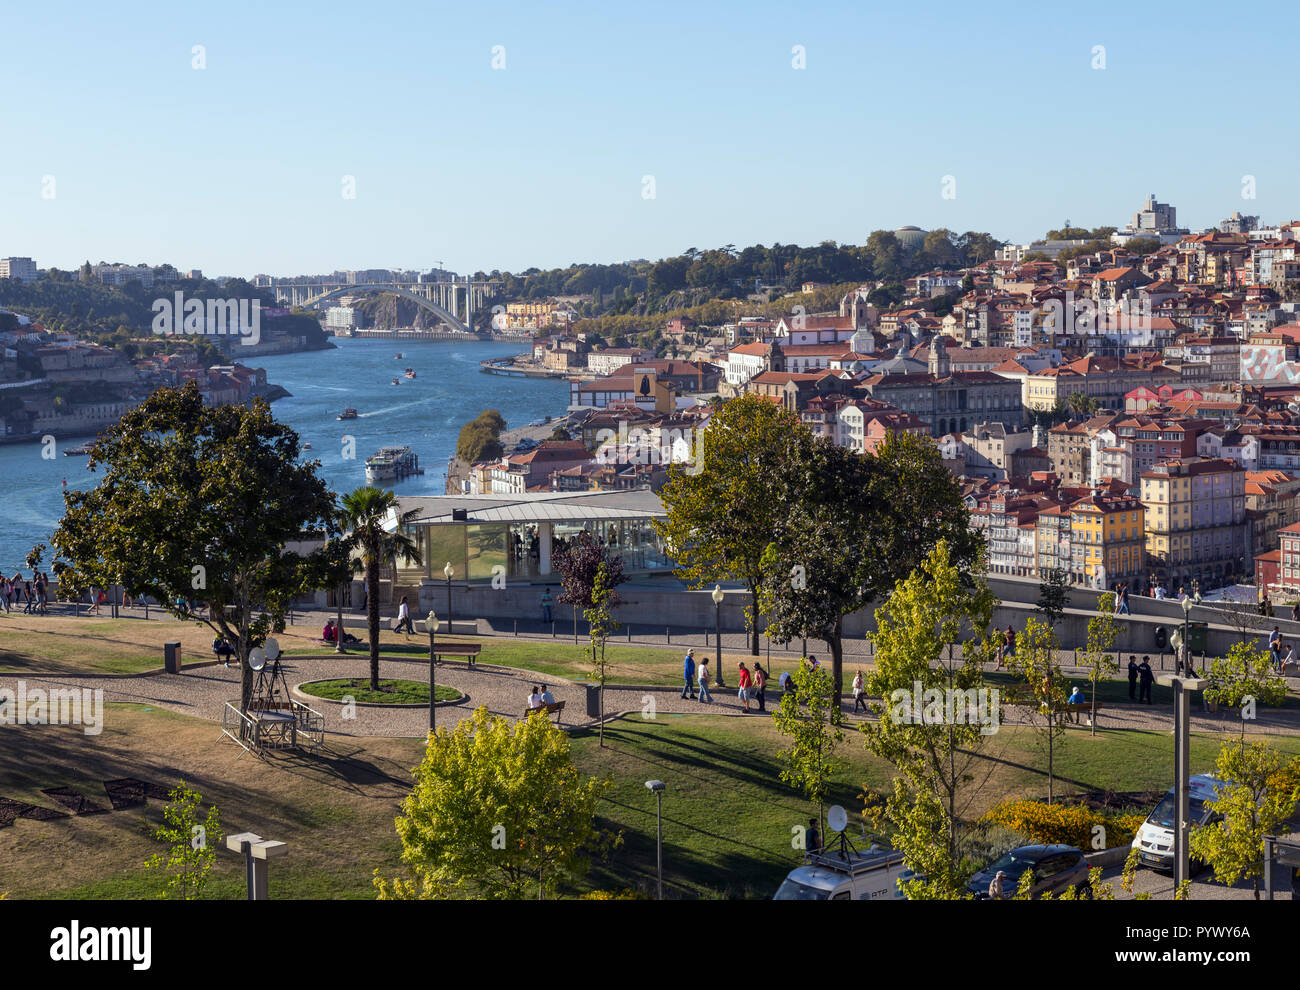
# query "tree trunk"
(338, 625)
(1051, 744)
(245, 671)
(753, 618)
(1093, 715)
(835, 645)
(372, 619)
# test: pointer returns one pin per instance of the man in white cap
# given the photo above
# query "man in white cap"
(688, 671)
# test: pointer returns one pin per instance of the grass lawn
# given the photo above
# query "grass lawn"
(391, 692)
(335, 809)
(727, 816)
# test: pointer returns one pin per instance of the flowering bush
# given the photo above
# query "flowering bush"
(1070, 824)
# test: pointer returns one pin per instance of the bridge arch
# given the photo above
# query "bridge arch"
(419, 300)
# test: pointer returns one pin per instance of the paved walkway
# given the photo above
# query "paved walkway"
(201, 691)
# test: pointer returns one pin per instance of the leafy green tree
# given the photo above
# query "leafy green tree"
(367, 512)
(818, 567)
(924, 833)
(600, 626)
(1261, 791)
(1037, 661)
(721, 519)
(480, 438)
(805, 716)
(1243, 679)
(496, 811)
(1053, 595)
(193, 842)
(199, 502)
(919, 628)
(1097, 658)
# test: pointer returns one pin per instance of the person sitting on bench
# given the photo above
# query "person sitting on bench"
(534, 699)
(224, 650)
(547, 697)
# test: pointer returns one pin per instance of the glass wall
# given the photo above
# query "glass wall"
(477, 548)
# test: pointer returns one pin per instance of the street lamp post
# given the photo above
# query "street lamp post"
(448, 571)
(717, 596)
(658, 787)
(1183, 688)
(256, 852)
(431, 621)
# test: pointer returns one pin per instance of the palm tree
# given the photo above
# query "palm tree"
(345, 567)
(376, 523)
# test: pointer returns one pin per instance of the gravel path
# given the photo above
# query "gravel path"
(201, 691)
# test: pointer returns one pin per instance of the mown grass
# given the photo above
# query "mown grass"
(728, 817)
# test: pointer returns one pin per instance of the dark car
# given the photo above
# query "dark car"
(1056, 868)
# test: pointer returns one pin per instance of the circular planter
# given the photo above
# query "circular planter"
(308, 697)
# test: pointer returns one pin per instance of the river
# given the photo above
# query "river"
(425, 413)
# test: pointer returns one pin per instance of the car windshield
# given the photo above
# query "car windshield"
(1012, 864)
(1164, 813)
(793, 890)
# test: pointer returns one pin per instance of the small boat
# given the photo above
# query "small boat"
(410, 372)
(397, 356)
(396, 381)
(306, 446)
(348, 414)
(82, 450)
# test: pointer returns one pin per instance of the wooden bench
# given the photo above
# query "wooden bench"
(557, 708)
(1084, 708)
(469, 651)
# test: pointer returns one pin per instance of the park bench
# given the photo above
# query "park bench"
(469, 651)
(557, 707)
(1085, 708)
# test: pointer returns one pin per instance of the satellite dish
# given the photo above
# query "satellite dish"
(837, 818)
(257, 658)
(272, 648)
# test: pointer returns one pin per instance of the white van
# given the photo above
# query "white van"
(1155, 838)
(853, 876)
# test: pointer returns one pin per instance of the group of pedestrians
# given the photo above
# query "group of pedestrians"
(752, 683)
(32, 593)
(1280, 653)
(1140, 679)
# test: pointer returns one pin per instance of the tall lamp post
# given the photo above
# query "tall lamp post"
(658, 787)
(431, 622)
(1183, 688)
(448, 571)
(717, 596)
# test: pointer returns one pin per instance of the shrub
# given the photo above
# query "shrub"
(1069, 824)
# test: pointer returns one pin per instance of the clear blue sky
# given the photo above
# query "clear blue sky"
(237, 168)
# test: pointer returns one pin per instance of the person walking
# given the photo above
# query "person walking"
(404, 617)
(688, 671)
(1145, 678)
(859, 693)
(1121, 606)
(760, 682)
(546, 602)
(1132, 678)
(705, 697)
(746, 685)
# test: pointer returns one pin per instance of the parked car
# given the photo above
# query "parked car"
(1155, 836)
(1056, 868)
(860, 876)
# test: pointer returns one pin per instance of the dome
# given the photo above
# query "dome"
(912, 238)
